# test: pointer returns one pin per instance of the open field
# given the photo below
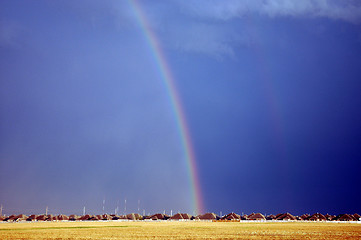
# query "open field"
(180, 230)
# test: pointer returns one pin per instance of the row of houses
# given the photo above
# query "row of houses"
(185, 216)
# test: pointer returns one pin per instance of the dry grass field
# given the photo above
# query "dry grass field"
(180, 230)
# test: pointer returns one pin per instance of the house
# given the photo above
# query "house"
(9, 218)
(49, 217)
(138, 216)
(41, 217)
(304, 217)
(187, 216)
(73, 217)
(208, 216)
(244, 217)
(131, 216)
(285, 217)
(105, 217)
(256, 216)
(85, 217)
(62, 217)
(16, 218)
(345, 217)
(317, 217)
(158, 216)
(231, 216)
(124, 217)
(115, 217)
(94, 218)
(271, 217)
(357, 217)
(32, 218)
(177, 216)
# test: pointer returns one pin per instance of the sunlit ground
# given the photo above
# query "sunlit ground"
(180, 230)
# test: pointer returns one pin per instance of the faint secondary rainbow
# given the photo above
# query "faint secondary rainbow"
(264, 67)
(168, 79)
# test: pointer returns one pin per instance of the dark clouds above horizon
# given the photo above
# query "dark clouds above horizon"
(270, 91)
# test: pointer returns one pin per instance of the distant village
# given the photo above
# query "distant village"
(184, 217)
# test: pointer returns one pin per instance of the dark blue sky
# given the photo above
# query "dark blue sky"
(271, 92)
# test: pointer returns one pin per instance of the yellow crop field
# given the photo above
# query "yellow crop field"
(180, 230)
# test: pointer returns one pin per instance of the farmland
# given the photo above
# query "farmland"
(179, 230)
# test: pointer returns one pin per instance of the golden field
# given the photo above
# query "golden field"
(180, 230)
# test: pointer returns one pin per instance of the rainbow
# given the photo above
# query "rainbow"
(169, 81)
(275, 113)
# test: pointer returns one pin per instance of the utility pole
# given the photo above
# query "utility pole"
(103, 204)
(125, 206)
(46, 211)
(84, 211)
(1, 210)
(138, 205)
(118, 212)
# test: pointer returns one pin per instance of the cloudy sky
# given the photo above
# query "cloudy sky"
(270, 90)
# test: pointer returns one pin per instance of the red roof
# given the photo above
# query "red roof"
(177, 216)
(317, 217)
(158, 216)
(357, 217)
(131, 216)
(85, 217)
(256, 216)
(41, 217)
(231, 216)
(186, 216)
(285, 216)
(208, 216)
(345, 217)
(63, 217)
